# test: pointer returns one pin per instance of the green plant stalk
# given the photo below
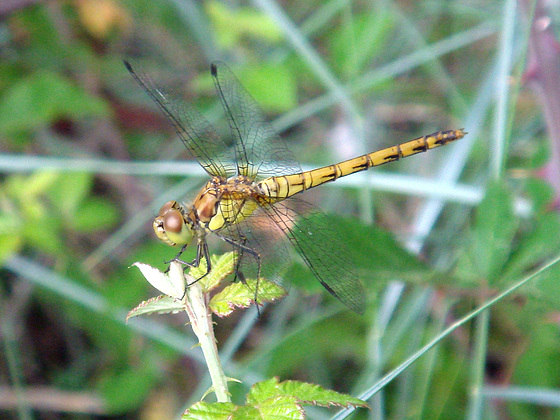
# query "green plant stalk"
(200, 318)
(476, 400)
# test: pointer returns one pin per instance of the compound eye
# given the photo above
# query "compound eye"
(173, 221)
(167, 207)
(175, 227)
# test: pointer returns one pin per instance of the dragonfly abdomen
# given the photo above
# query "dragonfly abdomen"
(281, 187)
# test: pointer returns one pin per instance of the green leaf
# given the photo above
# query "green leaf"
(336, 339)
(44, 97)
(171, 283)
(219, 411)
(162, 304)
(541, 192)
(44, 233)
(545, 290)
(271, 399)
(11, 230)
(304, 392)
(492, 238)
(281, 407)
(242, 295)
(538, 364)
(46, 46)
(271, 84)
(221, 267)
(27, 217)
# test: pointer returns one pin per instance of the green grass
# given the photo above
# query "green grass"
(88, 160)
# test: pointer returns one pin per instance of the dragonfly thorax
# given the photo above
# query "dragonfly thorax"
(224, 201)
(220, 203)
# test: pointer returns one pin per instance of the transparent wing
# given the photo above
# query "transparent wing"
(322, 249)
(262, 249)
(259, 151)
(310, 233)
(197, 134)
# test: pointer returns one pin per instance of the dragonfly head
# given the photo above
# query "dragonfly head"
(171, 226)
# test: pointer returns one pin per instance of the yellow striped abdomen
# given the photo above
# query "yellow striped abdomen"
(280, 187)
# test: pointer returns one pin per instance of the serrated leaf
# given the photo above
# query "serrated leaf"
(171, 283)
(160, 304)
(246, 412)
(242, 295)
(304, 392)
(221, 267)
(279, 407)
(199, 271)
(272, 399)
(210, 411)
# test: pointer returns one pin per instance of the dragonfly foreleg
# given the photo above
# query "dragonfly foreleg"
(201, 252)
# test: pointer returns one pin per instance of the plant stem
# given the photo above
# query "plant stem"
(201, 321)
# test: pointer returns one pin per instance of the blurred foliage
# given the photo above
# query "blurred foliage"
(65, 95)
(233, 25)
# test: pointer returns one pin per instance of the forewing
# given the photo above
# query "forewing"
(197, 134)
(259, 151)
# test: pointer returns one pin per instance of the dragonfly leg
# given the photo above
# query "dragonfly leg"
(241, 247)
(176, 257)
(201, 252)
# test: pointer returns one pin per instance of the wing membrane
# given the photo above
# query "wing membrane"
(197, 134)
(259, 151)
(322, 249)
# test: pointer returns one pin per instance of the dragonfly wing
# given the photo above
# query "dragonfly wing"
(322, 249)
(259, 151)
(261, 243)
(197, 134)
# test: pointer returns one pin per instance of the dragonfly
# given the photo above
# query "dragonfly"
(254, 178)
